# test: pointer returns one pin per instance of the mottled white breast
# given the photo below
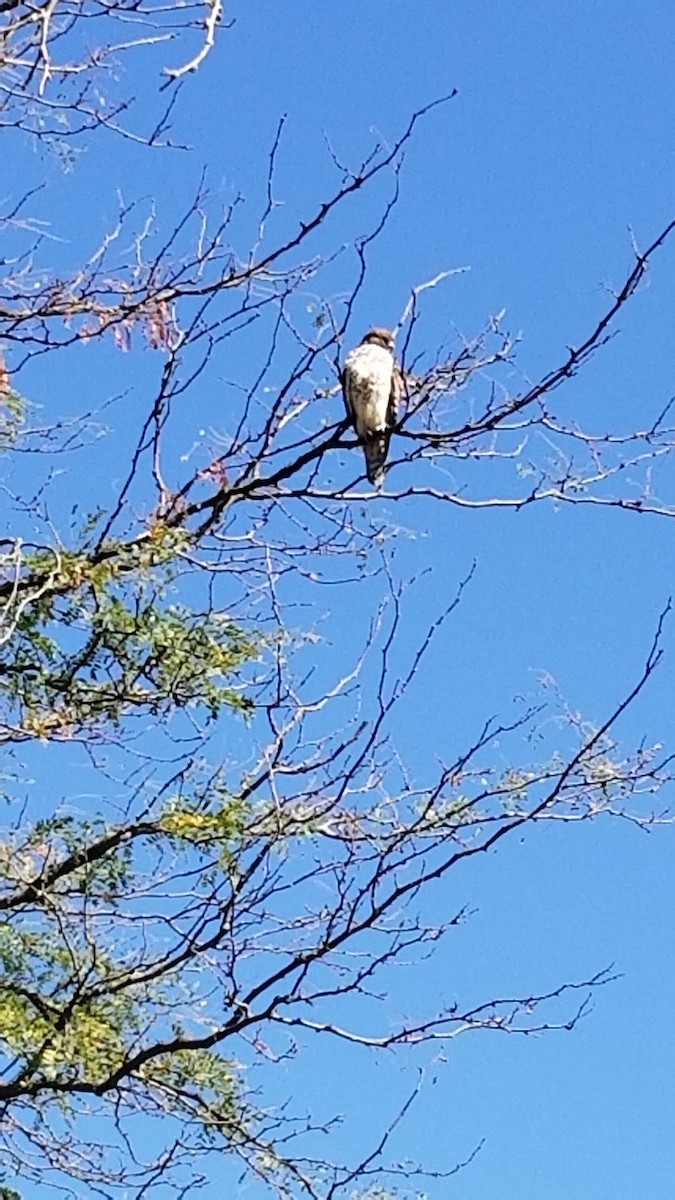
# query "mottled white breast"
(368, 372)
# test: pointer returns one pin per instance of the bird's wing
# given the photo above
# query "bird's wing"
(345, 380)
(395, 393)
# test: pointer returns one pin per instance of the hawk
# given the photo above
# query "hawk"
(371, 382)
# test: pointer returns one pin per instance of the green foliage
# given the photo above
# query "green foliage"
(8, 1193)
(87, 981)
(103, 639)
(92, 985)
(12, 420)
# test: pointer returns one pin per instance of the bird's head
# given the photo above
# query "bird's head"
(380, 337)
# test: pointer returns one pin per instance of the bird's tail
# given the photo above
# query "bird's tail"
(376, 448)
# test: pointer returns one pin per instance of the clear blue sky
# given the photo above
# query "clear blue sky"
(561, 139)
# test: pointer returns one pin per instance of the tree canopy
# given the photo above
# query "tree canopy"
(213, 850)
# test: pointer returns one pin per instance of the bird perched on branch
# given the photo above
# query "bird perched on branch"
(371, 383)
